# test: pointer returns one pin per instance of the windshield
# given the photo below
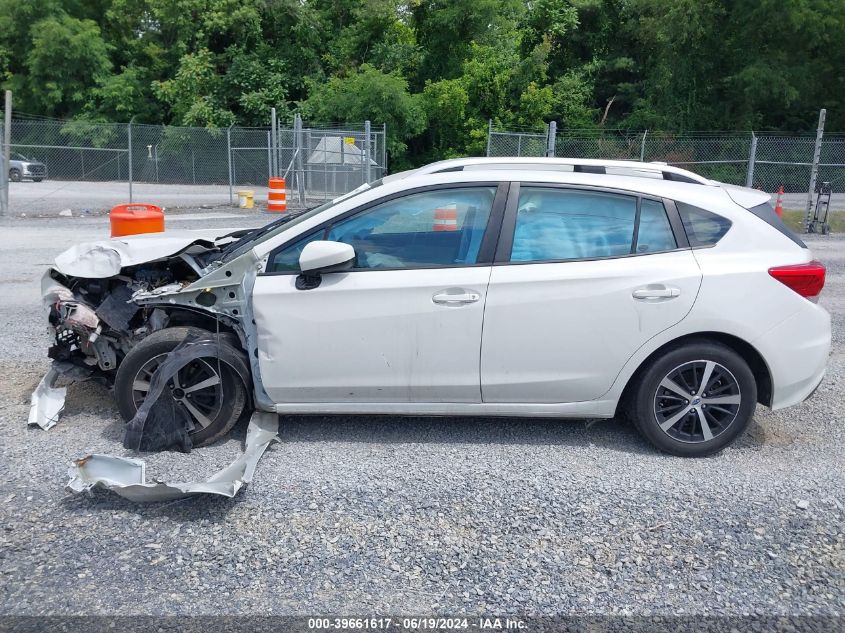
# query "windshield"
(289, 219)
(16, 156)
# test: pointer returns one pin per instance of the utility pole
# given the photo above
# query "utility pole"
(229, 161)
(129, 155)
(814, 170)
(752, 156)
(367, 151)
(274, 141)
(489, 134)
(551, 138)
(642, 147)
(7, 155)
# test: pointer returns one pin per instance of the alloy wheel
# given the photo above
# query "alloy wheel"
(697, 401)
(196, 387)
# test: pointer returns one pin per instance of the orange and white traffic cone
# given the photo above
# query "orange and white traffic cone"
(445, 219)
(779, 203)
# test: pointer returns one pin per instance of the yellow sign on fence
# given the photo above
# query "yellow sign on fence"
(349, 140)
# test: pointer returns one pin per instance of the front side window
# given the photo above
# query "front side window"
(562, 224)
(443, 227)
(287, 259)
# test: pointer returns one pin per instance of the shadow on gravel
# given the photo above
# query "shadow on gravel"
(201, 509)
(613, 434)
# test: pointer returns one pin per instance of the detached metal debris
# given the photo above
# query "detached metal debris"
(47, 401)
(127, 477)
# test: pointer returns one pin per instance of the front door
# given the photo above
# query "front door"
(404, 325)
(582, 280)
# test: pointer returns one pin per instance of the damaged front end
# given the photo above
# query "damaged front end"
(105, 298)
(93, 289)
(166, 321)
(95, 322)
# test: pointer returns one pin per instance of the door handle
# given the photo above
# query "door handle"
(656, 292)
(444, 298)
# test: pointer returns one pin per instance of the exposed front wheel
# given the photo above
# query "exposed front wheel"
(695, 400)
(15, 175)
(210, 390)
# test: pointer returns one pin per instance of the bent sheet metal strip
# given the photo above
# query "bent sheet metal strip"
(47, 401)
(127, 477)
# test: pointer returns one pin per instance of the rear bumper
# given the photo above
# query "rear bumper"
(796, 352)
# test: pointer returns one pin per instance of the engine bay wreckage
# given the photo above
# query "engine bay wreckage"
(107, 298)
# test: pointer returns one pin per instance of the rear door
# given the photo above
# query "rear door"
(582, 279)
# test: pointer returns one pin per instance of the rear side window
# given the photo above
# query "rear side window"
(654, 233)
(564, 224)
(556, 224)
(766, 213)
(703, 228)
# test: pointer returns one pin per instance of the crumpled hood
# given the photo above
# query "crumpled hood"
(105, 258)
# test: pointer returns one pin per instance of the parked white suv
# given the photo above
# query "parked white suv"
(509, 287)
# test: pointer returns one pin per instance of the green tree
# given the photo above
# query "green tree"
(434, 70)
(195, 94)
(447, 29)
(67, 60)
(368, 93)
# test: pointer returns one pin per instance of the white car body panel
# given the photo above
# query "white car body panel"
(590, 409)
(371, 336)
(560, 332)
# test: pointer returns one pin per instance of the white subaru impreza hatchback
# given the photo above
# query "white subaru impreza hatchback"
(489, 287)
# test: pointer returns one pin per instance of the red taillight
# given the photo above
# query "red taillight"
(805, 279)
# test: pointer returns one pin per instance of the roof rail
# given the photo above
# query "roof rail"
(585, 165)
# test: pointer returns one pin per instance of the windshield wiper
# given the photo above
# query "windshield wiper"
(254, 234)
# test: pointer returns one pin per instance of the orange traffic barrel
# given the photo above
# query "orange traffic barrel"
(445, 219)
(131, 219)
(277, 197)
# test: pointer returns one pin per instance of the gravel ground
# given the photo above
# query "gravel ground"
(380, 515)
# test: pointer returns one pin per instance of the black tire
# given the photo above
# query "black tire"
(15, 175)
(37, 179)
(233, 366)
(699, 431)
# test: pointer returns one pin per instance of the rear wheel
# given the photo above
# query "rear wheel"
(210, 390)
(37, 179)
(695, 400)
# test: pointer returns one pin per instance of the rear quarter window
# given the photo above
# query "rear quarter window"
(702, 227)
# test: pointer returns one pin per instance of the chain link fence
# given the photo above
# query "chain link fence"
(516, 142)
(763, 160)
(90, 167)
(323, 161)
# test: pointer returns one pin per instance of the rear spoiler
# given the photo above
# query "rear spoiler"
(747, 197)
